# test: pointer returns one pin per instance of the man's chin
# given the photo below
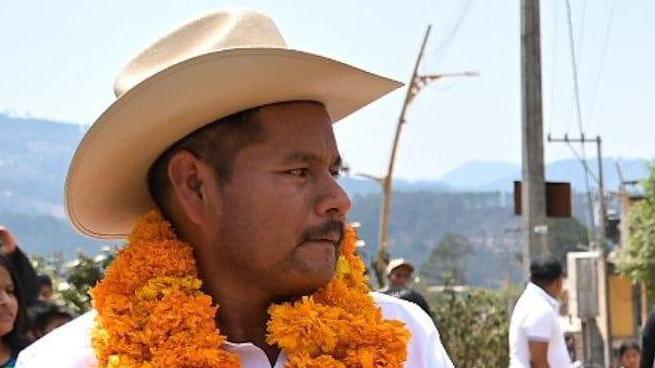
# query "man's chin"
(310, 284)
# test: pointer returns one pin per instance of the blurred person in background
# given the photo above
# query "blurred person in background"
(46, 290)
(27, 277)
(536, 338)
(46, 316)
(648, 341)
(629, 355)
(13, 317)
(400, 275)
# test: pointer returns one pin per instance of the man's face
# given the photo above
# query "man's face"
(278, 222)
(401, 277)
(558, 287)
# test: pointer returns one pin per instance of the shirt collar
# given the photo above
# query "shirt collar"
(537, 290)
(252, 356)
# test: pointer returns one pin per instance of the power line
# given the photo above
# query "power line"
(587, 170)
(574, 67)
(553, 72)
(453, 31)
(583, 18)
(603, 55)
(576, 92)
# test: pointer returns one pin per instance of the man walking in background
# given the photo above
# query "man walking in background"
(536, 339)
(401, 274)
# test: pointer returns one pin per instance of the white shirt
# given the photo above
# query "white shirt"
(70, 345)
(535, 318)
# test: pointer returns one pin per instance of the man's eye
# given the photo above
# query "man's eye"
(301, 173)
(336, 173)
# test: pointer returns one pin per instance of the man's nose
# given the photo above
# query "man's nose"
(333, 200)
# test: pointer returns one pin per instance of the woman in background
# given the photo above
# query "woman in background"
(13, 318)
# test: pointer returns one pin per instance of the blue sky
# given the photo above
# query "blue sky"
(60, 58)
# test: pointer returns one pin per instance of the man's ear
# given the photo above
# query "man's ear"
(188, 177)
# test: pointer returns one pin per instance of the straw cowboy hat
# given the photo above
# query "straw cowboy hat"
(222, 63)
(398, 262)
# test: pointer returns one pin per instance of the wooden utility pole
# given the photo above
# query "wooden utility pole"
(533, 188)
(602, 206)
(597, 352)
(416, 84)
(387, 182)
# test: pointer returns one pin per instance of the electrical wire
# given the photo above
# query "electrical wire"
(442, 47)
(581, 35)
(603, 56)
(574, 68)
(584, 163)
(576, 93)
(553, 71)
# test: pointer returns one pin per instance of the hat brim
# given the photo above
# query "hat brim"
(106, 187)
(401, 265)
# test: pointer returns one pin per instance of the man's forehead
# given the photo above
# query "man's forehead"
(298, 131)
(293, 111)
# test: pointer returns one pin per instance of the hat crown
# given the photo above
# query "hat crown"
(224, 29)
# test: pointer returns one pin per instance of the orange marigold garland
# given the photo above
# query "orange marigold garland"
(340, 325)
(152, 313)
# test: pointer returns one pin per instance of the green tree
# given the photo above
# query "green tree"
(474, 325)
(73, 280)
(566, 235)
(448, 260)
(637, 259)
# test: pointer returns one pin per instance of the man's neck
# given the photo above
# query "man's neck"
(244, 320)
(242, 309)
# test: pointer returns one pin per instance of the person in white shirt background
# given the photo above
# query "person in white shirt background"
(229, 133)
(536, 338)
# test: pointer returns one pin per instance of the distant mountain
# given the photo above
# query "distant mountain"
(498, 176)
(475, 174)
(359, 186)
(34, 158)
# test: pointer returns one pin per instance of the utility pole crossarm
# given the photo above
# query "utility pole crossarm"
(599, 178)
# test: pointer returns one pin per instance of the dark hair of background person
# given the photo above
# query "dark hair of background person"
(27, 276)
(16, 339)
(44, 280)
(42, 313)
(545, 269)
(627, 345)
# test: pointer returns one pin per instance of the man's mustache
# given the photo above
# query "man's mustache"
(324, 231)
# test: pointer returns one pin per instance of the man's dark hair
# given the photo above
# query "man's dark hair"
(545, 269)
(216, 143)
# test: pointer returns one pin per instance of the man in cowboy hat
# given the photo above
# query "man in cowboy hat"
(400, 274)
(229, 134)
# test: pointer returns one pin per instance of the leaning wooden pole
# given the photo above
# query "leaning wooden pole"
(387, 185)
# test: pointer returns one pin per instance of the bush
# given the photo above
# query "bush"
(637, 259)
(474, 325)
(73, 280)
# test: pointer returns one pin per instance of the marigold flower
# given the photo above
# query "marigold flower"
(152, 313)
